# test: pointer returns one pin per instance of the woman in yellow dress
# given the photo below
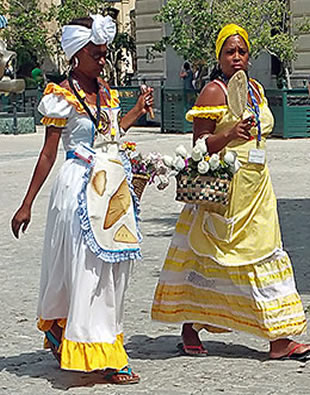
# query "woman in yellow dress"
(230, 272)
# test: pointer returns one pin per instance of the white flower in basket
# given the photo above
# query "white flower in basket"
(197, 155)
(179, 163)
(214, 161)
(229, 158)
(168, 160)
(203, 167)
(201, 178)
(201, 145)
(181, 151)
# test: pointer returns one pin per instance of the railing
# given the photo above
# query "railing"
(18, 112)
(291, 110)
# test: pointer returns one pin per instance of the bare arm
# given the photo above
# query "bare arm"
(43, 167)
(144, 102)
(212, 95)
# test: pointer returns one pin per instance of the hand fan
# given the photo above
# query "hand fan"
(237, 93)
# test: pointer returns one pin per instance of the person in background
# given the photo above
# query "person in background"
(186, 74)
(38, 77)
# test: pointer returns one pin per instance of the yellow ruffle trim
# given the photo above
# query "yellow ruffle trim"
(57, 122)
(87, 357)
(215, 112)
(71, 99)
(45, 325)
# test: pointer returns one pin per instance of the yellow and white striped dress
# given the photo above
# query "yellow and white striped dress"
(229, 271)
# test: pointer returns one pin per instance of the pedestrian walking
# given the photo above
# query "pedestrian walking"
(230, 272)
(187, 76)
(92, 235)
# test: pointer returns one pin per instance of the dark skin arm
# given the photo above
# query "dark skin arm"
(213, 95)
(144, 102)
(43, 167)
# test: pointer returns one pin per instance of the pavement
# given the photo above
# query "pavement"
(237, 363)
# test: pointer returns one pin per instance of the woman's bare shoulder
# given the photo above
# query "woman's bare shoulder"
(211, 95)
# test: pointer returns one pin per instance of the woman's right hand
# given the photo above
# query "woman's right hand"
(242, 129)
(22, 219)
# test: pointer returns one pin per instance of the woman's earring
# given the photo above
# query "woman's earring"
(75, 62)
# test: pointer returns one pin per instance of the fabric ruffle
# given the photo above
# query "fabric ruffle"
(51, 88)
(87, 357)
(210, 112)
(258, 299)
(57, 122)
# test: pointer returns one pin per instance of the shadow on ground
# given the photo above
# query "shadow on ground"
(165, 347)
(294, 217)
(41, 364)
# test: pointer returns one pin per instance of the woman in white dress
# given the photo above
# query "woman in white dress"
(91, 235)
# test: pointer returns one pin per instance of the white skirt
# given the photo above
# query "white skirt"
(77, 286)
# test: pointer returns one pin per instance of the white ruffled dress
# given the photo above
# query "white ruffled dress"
(83, 285)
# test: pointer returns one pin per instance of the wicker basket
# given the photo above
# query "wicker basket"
(212, 192)
(139, 182)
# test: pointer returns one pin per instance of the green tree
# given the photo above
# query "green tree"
(35, 33)
(26, 33)
(194, 26)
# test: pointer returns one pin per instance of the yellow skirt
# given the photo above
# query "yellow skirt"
(259, 298)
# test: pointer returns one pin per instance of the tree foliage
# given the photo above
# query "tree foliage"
(35, 33)
(194, 26)
(26, 33)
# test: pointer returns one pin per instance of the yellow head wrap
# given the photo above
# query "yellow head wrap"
(227, 31)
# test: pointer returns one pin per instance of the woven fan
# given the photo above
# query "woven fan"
(237, 93)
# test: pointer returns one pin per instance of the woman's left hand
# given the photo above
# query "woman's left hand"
(145, 100)
(144, 104)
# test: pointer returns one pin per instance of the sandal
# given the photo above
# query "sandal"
(292, 355)
(193, 351)
(121, 377)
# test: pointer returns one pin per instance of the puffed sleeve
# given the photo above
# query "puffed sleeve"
(54, 106)
(209, 112)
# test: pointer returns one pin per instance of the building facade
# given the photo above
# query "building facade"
(167, 66)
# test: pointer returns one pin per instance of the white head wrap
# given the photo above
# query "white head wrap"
(75, 37)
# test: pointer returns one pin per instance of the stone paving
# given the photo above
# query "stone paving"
(237, 364)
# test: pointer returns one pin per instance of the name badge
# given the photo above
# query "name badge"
(257, 156)
(85, 153)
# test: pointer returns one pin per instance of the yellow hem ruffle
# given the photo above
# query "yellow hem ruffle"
(87, 357)
(57, 122)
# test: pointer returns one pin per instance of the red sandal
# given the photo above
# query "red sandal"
(292, 355)
(194, 351)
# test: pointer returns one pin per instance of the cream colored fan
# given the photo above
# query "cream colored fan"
(237, 93)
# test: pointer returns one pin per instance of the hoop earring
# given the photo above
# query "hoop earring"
(75, 62)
